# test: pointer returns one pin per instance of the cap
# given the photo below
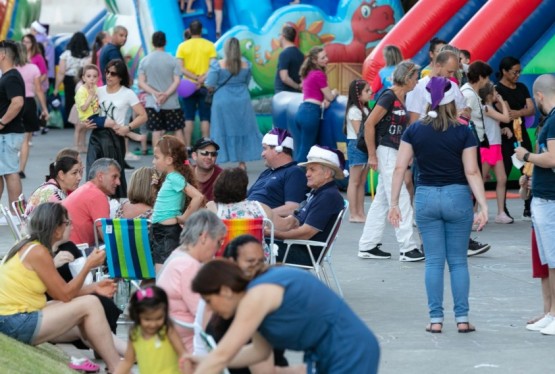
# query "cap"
(205, 142)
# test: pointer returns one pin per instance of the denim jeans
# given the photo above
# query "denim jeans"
(444, 216)
(543, 217)
(307, 123)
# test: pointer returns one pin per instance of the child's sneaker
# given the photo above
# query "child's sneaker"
(83, 365)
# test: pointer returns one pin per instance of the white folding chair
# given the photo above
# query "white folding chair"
(12, 222)
(318, 264)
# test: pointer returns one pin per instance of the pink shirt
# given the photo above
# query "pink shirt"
(176, 278)
(313, 84)
(85, 205)
(29, 72)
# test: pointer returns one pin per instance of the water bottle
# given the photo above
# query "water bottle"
(121, 298)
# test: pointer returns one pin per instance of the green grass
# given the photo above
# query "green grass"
(19, 358)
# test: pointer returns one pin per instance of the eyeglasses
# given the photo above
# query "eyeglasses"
(515, 72)
(208, 153)
(67, 222)
(110, 72)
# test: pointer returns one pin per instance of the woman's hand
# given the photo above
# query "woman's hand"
(95, 259)
(62, 258)
(88, 124)
(373, 161)
(123, 130)
(106, 287)
(507, 132)
(394, 216)
(188, 363)
(480, 220)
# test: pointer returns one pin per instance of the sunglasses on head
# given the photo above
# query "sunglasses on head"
(208, 153)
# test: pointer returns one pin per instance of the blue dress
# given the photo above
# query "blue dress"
(232, 120)
(313, 319)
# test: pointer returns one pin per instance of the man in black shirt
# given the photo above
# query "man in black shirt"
(289, 62)
(12, 94)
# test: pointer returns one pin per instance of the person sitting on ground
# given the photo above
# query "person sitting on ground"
(140, 195)
(272, 310)
(201, 237)
(205, 155)
(90, 201)
(316, 215)
(64, 176)
(28, 272)
(282, 186)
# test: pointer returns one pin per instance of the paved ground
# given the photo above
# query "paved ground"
(390, 296)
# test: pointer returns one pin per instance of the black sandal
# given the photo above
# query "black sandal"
(429, 327)
(470, 328)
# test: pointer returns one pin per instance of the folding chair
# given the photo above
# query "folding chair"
(11, 222)
(127, 248)
(252, 226)
(19, 206)
(318, 264)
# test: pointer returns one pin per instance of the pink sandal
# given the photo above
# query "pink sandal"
(83, 365)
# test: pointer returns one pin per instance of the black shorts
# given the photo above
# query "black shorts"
(165, 119)
(165, 238)
(30, 119)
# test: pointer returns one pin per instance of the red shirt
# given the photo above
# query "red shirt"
(207, 188)
(85, 205)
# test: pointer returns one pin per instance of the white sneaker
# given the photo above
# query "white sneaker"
(542, 323)
(503, 218)
(131, 157)
(549, 329)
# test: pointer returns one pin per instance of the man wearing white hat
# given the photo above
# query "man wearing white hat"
(316, 215)
(283, 185)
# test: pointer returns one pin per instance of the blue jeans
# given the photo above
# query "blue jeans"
(307, 122)
(444, 216)
(543, 218)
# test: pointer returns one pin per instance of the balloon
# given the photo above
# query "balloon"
(186, 88)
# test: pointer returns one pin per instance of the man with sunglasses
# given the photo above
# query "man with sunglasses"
(205, 153)
(112, 50)
(12, 94)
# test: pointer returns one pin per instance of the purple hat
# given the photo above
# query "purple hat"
(332, 158)
(439, 91)
(278, 138)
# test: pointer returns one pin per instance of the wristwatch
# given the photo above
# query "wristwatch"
(526, 156)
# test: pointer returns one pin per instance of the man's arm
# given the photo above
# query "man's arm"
(286, 79)
(303, 232)
(543, 160)
(286, 209)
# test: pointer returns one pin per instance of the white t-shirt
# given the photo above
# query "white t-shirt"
(73, 63)
(473, 101)
(416, 99)
(354, 114)
(493, 130)
(116, 105)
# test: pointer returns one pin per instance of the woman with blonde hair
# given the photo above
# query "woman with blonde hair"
(233, 122)
(140, 195)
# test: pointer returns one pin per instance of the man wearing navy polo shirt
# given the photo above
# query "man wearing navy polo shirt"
(316, 215)
(283, 185)
(543, 192)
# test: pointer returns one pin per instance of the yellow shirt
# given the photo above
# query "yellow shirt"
(196, 54)
(21, 290)
(155, 355)
(426, 71)
(81, 97)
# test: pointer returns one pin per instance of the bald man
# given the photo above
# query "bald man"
(543, 190)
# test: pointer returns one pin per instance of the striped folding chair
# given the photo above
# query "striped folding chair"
(127, 248)
(252, 226)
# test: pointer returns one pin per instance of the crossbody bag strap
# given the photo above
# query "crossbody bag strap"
(223, 84)
(479, 103)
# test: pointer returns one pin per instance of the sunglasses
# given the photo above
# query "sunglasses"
(110, 73)
(515, 72)
(208, 153)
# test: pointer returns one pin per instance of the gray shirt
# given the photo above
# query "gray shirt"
(159, 69)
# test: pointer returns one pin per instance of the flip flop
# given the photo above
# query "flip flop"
(470, 328)
(429, 327)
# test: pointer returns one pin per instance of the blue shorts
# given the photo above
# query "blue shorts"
(543, 218)
(194, 102)
(354, 155)
(21, 326)
(10, 144)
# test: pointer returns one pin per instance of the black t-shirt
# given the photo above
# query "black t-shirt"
(393, 124)
(11, 85)
(516, 98)
(290, 59)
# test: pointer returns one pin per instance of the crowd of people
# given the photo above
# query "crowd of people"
(433, 140)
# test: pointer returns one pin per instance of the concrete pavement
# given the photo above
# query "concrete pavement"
(390, 297)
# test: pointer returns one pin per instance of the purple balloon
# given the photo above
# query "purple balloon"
(186, 88)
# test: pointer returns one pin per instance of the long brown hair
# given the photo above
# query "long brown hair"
(217, 273)
(310, 63)
(171, 146)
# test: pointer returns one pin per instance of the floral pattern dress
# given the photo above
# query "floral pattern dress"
(243, 209)
(48, 192)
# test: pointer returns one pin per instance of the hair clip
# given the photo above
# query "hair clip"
(145, 294)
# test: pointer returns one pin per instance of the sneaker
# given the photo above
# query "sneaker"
(375, 253)
(44, 131)
(476, 248)
(541, 324)
(131, 157)
(526, 215)
(503, 218)
(411, 256)
(549, 329)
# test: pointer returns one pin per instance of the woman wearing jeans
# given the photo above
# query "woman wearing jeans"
(315, 94)
(446, 154)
